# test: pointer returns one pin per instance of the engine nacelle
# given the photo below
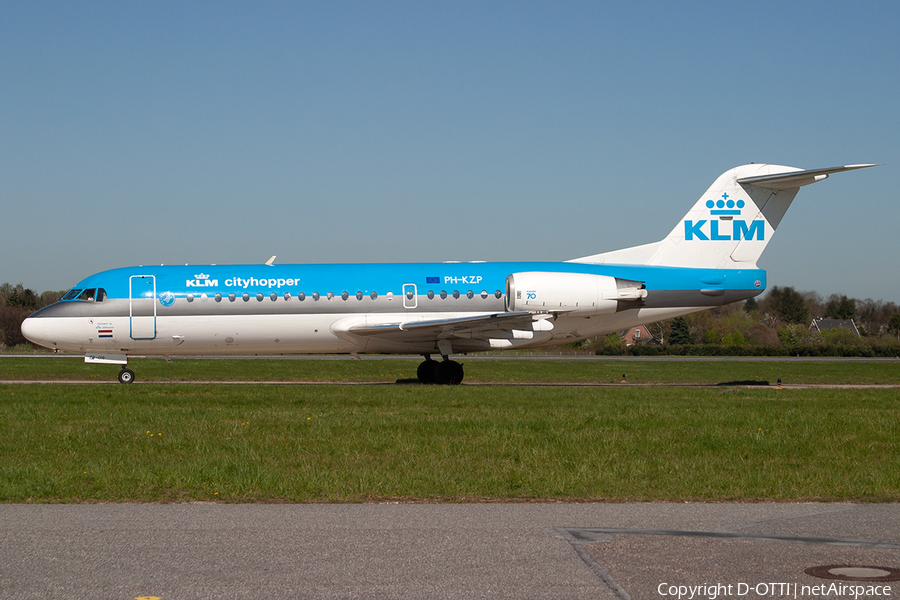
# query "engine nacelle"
(580, 294)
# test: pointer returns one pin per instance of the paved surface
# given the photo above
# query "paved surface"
(606, 551)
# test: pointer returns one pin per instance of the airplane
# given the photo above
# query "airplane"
(708, 260)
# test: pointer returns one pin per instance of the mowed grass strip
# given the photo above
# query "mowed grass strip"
(478, 370)
(245, 443)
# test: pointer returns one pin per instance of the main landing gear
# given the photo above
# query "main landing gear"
(126, 375)
(445, 372)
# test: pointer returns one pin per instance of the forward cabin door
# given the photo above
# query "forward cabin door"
(142, 311)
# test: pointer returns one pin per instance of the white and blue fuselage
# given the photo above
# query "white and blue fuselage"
(227, 309)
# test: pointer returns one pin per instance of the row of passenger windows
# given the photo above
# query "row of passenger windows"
(344, 296)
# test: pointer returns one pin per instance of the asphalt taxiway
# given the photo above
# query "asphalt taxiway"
(637, 551)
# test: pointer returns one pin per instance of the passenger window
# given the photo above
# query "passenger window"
(287, 296)
(301, 296)
(231, 297)
(373, 295)
(359, 295)
(259, 297)
(430, 295)
(274, 296)
(246, 297)
(218, 297)
(443, 295)
(456, 294)
(470, 294)
(484, 294)
(344, 295)
(316, 296)
(190, 297)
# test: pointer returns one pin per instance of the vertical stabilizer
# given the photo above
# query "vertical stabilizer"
(731, 224)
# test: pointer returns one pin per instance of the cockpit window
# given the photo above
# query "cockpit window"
(86, 295)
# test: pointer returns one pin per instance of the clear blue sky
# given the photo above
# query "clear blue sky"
(173, 132)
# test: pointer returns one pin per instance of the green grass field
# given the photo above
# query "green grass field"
(477, 370)
(321, 443)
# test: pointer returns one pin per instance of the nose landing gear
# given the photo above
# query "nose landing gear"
(445, 372)
(126, 375)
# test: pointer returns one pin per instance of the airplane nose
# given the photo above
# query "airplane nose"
(34, 330)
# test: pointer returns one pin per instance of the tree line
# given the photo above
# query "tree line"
(778, 323)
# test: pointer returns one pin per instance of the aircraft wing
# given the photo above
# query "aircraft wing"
(455, 327)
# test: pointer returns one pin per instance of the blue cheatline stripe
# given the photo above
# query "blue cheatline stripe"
(390, 277)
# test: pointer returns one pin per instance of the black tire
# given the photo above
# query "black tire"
(427, 371)
(449, 372)
(126, 376)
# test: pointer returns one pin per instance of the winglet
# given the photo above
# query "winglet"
(796, 179)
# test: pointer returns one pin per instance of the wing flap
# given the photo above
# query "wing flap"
(456, 326)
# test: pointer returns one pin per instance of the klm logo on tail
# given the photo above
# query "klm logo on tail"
(727, 210)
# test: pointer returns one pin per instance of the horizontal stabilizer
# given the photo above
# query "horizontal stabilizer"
(796, 179)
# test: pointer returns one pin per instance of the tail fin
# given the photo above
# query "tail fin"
(732, 222)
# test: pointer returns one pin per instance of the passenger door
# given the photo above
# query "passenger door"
(142, 311)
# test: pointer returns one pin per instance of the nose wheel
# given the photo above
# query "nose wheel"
(126, 375)
(445, 372)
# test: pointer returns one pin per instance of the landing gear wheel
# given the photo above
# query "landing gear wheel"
(126, 375)
(427, 370)
(449, 372)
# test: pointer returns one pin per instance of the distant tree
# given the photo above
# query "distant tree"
(659, 330)
(894, 324)
(814, 303)
(750, 305)
(22, 297)
(788, 304)
(48, 298)
(11, 318)
(680, 333)
(5, 290)
(840, 307)
(610, 345)
(734, 338)
(763, 335)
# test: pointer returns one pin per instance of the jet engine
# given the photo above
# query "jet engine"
(581, 294)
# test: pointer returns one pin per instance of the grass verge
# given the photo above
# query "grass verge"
(791, 371)
(245, 443)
